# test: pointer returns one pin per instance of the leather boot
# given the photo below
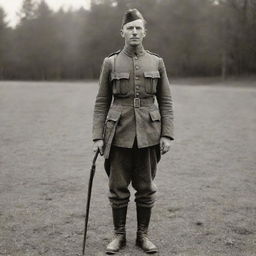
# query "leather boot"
(143, 219)
(119, 240)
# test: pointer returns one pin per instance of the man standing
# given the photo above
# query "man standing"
(130, 130)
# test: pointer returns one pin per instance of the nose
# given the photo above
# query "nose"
(134, 31)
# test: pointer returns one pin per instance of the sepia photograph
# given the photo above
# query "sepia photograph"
(128, 127)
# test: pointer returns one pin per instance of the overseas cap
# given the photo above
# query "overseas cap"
(131, 15)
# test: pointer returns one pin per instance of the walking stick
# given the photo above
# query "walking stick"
(89, 196)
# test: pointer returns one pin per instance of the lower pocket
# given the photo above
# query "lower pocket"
(155, 116)
(109, 130)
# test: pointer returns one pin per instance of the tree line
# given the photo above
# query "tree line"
(195, 38)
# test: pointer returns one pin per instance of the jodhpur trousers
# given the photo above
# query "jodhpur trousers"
(136, 166)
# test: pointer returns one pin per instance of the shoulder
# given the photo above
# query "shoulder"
(155, 57)
(110, 58)
(153, 54)
(114, 53)
(108, 61)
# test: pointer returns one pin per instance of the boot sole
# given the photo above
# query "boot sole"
(148, 252)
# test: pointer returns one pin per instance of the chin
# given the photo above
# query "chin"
(134, 43)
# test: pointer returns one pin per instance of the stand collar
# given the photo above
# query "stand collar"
(134, 51)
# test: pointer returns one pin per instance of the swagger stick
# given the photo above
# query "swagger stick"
(89, 196)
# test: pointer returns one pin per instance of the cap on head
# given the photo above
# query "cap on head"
(131, 15)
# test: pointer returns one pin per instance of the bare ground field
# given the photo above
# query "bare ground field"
(206, 202)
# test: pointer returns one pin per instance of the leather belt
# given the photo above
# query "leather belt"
(134, 102)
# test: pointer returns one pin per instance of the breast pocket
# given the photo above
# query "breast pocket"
(120, 83)
(151, 81)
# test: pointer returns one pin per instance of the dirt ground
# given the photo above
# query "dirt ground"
(206, 201)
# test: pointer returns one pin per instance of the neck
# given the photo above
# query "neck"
(134, 47)
(133, 50)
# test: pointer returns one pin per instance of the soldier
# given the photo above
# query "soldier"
(130, 130)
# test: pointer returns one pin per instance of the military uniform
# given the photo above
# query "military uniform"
(131, 124)
(131, 82)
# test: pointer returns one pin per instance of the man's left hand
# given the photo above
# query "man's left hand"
(165, 144)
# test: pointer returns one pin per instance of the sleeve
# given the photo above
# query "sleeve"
(103, 101)
(165, 103)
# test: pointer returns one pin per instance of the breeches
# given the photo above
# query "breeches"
(136, 166)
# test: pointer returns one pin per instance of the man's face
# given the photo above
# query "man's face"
(133, 32)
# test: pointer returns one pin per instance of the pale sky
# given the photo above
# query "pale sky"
(11, 7)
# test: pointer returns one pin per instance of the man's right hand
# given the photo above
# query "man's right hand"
(98, 144)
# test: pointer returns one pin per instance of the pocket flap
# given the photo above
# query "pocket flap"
(118, 76)
(152, 74)
(155, 115)
(113, 115)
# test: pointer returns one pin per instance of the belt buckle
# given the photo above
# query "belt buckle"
(136, 102)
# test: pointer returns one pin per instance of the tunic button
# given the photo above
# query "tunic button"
(136, 58)
(136, 78)
(137, 67)
(137, 94)
(137, 87)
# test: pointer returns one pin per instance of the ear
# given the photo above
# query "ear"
(122, 33)
(145, 32)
